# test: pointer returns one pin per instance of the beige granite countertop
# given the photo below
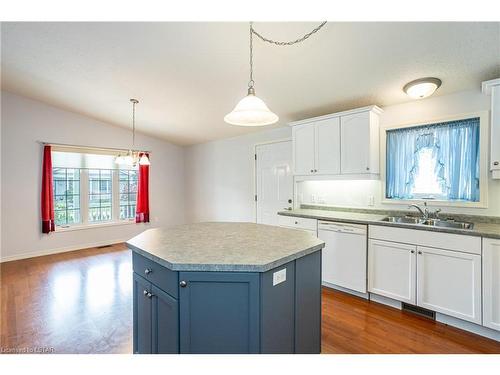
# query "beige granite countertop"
(214, 246)
(491, 230)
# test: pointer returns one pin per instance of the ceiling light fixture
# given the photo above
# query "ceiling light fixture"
(132, 158)
(422, 88)
(251, 110)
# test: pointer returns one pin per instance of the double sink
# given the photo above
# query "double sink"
(448, 223)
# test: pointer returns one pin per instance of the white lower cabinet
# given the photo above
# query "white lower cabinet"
(491, 283)
(449, 282)
(392, 270)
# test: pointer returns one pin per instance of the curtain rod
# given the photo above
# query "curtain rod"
(90, 147)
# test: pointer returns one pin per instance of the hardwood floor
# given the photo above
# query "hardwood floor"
(81, 302)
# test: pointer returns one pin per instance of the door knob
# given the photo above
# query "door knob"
(147, 271)
(183, 284)
(150, 295)
(145, 292)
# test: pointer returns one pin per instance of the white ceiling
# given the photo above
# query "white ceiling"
(187, 76)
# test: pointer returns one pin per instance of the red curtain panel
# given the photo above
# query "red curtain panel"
(47, 198)
(142, 209)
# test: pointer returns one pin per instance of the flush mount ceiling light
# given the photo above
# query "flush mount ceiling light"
(422, 88)
(132, 157)
(252, 111)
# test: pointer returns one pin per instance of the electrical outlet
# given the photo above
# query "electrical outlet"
(371, 200)
(279, 276)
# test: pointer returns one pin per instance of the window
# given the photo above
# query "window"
(66, 185)
(436, 161)
(128, 193)
(100, 192)
(90, 189)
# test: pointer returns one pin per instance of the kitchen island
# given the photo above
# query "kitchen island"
(226, 288)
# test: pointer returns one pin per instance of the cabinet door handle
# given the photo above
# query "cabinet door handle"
(420, 253)
(183, 284)
(150, 295)
(315, 170)
(147, 271)
(145, 292)
(413, 251)
(496, 163)
(312, 170)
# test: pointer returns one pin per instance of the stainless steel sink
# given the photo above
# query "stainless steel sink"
(448, 224)
(429, 222)
(402, 219)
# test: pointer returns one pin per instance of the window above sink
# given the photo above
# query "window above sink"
(443, 162)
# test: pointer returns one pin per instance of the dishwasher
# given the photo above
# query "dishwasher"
(344, 255)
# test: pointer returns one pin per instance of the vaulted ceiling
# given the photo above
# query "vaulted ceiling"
(187, 76)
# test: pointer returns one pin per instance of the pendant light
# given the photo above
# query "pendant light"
(251, 110)
(131, 159)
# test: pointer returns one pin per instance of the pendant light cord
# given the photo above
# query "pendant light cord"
(134, 102)
(289, 43)
(251, 83)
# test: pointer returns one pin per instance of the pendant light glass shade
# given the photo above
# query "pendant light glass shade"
(251, 111)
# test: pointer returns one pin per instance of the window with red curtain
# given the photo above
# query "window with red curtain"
(142, 210)
(47, 198)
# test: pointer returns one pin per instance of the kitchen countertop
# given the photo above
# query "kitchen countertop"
(213, 246)
(491, 230)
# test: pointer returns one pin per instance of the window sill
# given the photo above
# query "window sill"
(94, 226)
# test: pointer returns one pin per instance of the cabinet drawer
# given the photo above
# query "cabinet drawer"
(298, 222)
(160, 276)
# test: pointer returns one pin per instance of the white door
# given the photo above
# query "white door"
(355, 147)
(392, 270)
(303, 149)
(274, 180)
(491, 283)
(449, 282)
(328, 146)
(344, 255)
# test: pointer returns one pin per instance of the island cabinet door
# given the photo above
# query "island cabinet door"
(142, 315)
(165, 322)
(219, 312)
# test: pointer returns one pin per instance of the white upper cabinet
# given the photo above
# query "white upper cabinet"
(493, 88)
(491, 283)
(328, 146)
(345, 143)
(360, 143)
(449, 282)
(303, 149)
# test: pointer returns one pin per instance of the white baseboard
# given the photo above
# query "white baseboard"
(468, 326)
(345, 290)
(63, 249)
(386, 301)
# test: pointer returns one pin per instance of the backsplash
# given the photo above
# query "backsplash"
(367, 194)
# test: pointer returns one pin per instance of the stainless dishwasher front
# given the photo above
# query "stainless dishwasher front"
(344, 255)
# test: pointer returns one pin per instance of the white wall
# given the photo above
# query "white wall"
(24, 122)
(219, 175)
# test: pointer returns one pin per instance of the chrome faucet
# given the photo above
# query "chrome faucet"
(424, 213)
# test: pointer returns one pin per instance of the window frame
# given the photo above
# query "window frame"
(483, 162)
